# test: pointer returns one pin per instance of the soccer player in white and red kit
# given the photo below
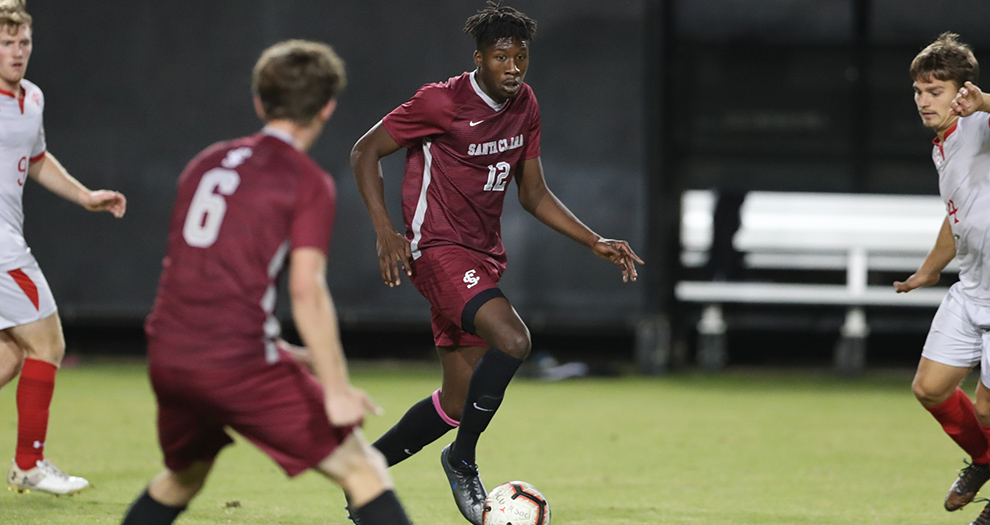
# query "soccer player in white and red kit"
(467, 139)
(243, 209)
(950, 104)
(31, 341)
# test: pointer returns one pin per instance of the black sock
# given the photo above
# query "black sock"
(147, 511)
(383, 510)
(488, 383)
(420, 426)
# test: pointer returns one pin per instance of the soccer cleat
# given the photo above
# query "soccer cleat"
(984, 517)
(465, 483)
(44, 477)
(964, 489)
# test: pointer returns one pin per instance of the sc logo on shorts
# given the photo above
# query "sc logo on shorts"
(471, 278)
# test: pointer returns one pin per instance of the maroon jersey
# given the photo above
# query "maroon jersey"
(241, 207)
(463, 150)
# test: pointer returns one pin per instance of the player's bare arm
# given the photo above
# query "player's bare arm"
(969, 100)
(316, 321)
(931, 269)
(537, 199)
(50, 173)
(394, 252)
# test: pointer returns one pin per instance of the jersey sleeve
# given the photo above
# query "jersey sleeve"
(982, 125)
(429, 112)
(40, 145)
(533, 138)
(316, 206)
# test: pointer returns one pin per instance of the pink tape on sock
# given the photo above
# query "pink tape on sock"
(436, 404)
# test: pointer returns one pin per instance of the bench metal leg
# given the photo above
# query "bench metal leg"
(850, 351)
(712, 353)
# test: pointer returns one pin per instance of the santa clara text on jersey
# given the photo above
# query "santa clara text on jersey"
(495, 146)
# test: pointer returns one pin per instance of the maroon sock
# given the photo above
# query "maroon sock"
(34, 396)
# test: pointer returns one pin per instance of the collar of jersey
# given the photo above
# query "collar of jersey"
(935, 140)
(284, 136)
(11, 95)
(484, 96)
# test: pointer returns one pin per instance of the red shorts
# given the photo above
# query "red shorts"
(279, 407)
(456, 281)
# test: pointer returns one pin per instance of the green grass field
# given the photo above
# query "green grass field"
(744, 447)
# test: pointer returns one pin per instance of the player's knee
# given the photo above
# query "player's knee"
(930, 395)
(982, 408)
(517, 345)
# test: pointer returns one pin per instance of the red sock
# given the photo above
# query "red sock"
(959, 421)
(34, 396)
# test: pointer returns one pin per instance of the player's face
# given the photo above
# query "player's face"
(15, 50)
(501, 67)
(934, 98)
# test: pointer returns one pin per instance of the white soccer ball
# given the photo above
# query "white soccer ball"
(516, 503)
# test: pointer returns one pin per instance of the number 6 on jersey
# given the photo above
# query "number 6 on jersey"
(208, 207)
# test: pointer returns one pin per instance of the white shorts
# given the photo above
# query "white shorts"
(24, 296)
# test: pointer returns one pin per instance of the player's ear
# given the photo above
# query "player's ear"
(477, 58)
(328, 109)
(259, 108)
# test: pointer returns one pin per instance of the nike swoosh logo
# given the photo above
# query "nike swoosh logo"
(483, 409)
(473, 123)
(20, 182)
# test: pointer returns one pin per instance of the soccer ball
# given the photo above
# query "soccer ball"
(516, 503)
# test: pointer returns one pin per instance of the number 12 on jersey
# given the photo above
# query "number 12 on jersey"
(497, 176)
(208, 207)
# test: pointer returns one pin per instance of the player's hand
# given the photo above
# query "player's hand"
(394, 255)
(347, 406)
(619, 253)
(968, 100)
(916, 280)
(105, 200)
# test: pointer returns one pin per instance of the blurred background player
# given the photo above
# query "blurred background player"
(244, 207)
(31, 341)
(956, 110)
(467, 138)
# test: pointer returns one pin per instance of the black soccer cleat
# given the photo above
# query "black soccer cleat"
(964, 489)
(984, 517)
(465, 483)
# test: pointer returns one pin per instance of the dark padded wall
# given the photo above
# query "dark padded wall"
(135, 88)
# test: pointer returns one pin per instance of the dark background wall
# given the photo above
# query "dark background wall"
(763, 94)
(136, 88)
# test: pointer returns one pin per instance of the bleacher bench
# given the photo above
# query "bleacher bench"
(856, 233)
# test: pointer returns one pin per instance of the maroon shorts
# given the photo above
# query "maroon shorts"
(456, 281)
(279, 407)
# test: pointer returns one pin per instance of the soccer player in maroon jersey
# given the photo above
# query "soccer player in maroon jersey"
(243, 208)
(466, 139)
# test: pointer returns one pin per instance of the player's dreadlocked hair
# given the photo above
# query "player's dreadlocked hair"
(13, 15)
(946, 59)
(496, 21)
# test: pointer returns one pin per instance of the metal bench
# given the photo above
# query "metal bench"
(856, 233)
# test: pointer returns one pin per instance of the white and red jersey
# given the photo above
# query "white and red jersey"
(962, 159)
(22, 141)
(242, 207)
(463, 151)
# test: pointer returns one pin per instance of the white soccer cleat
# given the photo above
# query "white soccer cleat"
(44, 477)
